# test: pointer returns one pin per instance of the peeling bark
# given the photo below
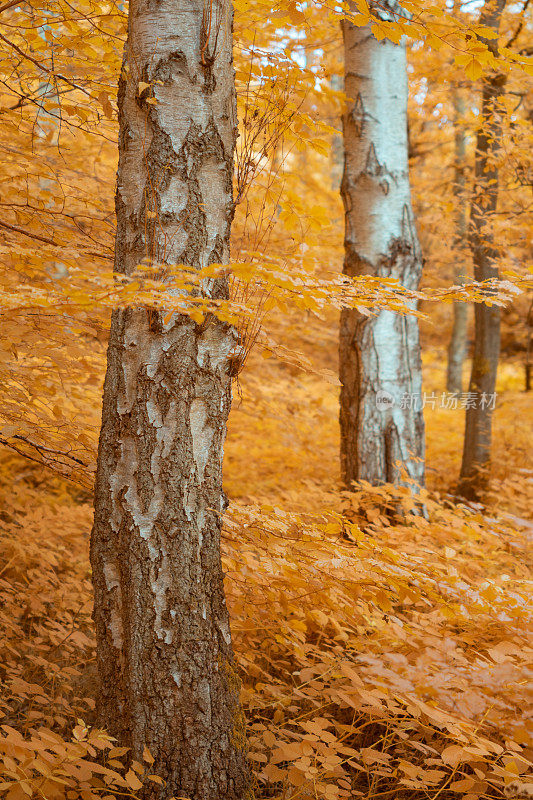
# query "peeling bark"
(478, 427)
(165, 660)
(381, 354)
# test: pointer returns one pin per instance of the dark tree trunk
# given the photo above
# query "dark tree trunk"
(478, 429)
(165, 660)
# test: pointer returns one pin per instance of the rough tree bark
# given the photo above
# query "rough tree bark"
(164, 653)
(478, 429)
(380, 370)
(457, 346)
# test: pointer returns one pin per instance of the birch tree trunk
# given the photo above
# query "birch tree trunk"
(457, 346)
(165, 661)
(478, 428)
(382, 427)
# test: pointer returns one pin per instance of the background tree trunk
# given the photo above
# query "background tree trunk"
(478, 429)
(379, 357)
(458, 340)
(167, 677)
(337, 147)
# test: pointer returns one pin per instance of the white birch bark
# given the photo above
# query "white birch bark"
(167, 678)
(458, 340)
(379, 357)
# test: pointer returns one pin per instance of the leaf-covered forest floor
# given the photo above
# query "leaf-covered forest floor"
(379, 658)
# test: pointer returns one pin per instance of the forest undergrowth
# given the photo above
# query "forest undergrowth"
(382, 654)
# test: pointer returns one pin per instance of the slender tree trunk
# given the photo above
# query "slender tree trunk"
(478, 429)
(527, 362)
(165, 661)
(337, 147)
(382, 426)
(457, 346)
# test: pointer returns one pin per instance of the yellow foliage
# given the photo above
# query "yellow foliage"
(374, 654)
(380, 655)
